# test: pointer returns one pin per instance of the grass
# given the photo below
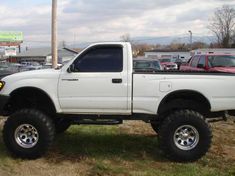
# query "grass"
(130, 149)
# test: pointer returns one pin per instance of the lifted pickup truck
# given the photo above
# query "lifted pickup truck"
(99, 87)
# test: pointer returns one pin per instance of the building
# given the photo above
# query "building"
(42, 55)
(213, 51)
(167, 53)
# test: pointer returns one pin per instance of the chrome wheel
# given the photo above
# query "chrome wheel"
(26, 136)
(186, 137)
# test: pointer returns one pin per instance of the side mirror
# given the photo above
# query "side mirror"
(71, 68)
(200, 66)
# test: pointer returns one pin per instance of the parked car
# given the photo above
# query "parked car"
(211, 62)
(49, 66)
(25, 66)
(167, 64)
(146, 65)
(14, 67)
(7, 68)
(4, 71)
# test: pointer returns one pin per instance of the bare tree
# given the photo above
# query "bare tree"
(140, 48)
(199, 44)
(177, 45)
(223, 25)
(126, 37)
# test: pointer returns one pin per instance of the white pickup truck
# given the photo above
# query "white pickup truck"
(100, 87)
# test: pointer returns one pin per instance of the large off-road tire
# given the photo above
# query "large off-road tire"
(61, 125)
(155, 126)
(28, 133)
(185, 136)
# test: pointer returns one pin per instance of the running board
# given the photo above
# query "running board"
(98, 122)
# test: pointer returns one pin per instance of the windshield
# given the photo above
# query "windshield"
(35, 64)
(141, 65)
(165, 60)
(3, 67)
(221, 61)
(147, 65)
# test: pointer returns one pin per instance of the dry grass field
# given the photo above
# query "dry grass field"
(130, 149)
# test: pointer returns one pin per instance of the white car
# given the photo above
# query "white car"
(99, 87)
(167, 64)
(25, 66)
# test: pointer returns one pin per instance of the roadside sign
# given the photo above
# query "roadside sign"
(11, 36)
(10, 43)
(10, 51)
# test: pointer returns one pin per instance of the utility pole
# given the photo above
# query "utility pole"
(191, 39)
(19, 47)
(54, 34)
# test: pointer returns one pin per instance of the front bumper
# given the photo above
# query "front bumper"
(3, 101)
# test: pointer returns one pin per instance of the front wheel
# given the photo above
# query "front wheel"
(185, 136)
(61, 125)
(28, 133)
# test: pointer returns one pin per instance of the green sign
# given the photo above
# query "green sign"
(11, 36)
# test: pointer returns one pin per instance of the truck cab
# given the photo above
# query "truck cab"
(103, 76)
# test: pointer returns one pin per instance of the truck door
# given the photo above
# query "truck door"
(96, 82)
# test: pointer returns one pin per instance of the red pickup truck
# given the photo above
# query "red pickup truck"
(211, 62)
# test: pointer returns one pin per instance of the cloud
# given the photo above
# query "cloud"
(126, 6)
(96, 20)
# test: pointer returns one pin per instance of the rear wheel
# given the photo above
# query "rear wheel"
(155, 126)
(28, 133)
(185, 136)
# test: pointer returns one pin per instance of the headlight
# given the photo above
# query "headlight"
(2, 83)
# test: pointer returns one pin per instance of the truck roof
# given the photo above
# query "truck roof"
(109, 43)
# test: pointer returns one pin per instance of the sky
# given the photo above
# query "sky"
(81, 21)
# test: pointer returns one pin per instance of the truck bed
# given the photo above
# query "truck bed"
(150, 88)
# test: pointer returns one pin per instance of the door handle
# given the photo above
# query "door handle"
(116, 81)
(70, 79)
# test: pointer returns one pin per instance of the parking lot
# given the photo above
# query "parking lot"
(129, 149)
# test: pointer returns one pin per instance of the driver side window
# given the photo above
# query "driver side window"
(194, 61)
(101, 59)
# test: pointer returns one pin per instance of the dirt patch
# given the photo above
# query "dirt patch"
(224, 140)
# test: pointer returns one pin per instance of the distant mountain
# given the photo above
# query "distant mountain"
(169, 39)
(145, 39)
(162, 40)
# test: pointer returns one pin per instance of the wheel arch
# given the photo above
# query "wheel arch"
(39, 95)
(184, 95)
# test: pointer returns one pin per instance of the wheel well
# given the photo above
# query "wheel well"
(30, 97)
(184, 99)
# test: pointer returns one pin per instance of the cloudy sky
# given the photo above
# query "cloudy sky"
(105, 20)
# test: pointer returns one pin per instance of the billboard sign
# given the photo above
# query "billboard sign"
(11, 36)
(10, 51)
(10, 43)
